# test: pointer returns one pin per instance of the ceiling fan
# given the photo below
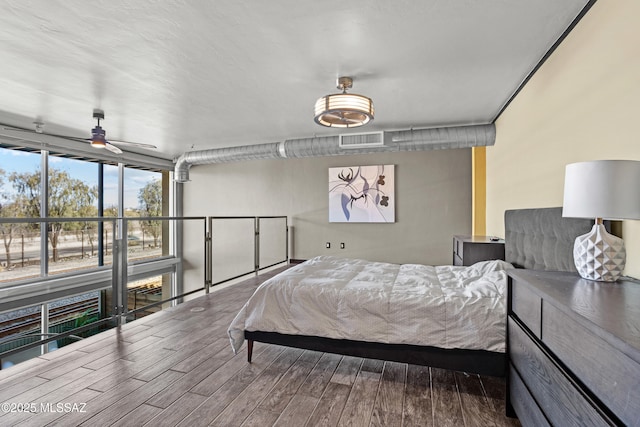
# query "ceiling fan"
(98, 135)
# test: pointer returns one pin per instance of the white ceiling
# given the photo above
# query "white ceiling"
(207, 74)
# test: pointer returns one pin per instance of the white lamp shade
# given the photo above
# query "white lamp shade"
(607, 189)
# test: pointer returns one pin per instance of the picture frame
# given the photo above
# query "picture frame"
(362, 194)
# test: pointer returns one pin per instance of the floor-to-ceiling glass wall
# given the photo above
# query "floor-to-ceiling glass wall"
(38, 186)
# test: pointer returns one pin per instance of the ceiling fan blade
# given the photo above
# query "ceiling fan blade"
(337, 118)
(333, 116)
(112, 148)
(342, 118)
(75, 138)
(109, 143)
(134, 144)
(20, 129)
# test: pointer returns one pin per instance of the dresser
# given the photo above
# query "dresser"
(574, 350)
(467, 250)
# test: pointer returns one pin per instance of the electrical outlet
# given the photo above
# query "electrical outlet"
(328, 245)
(341, 245)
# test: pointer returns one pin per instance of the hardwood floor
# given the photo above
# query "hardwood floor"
(176, 367)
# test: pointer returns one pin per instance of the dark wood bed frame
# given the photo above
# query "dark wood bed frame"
(535, 238)
(473, 361)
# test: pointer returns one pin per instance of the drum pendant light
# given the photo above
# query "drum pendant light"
(344, 110)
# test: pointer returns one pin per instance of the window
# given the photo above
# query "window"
(74, 191)
(20, 327)
(110, 191)
(143, 199)
(19, 180)
(90, 194)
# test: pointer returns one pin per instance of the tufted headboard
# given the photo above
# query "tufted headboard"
(541, 239)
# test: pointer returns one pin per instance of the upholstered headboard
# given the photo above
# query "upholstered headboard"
(541, 239)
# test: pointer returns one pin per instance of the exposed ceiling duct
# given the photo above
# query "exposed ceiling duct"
(401, 140)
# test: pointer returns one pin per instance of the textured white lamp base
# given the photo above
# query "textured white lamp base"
(599, 255)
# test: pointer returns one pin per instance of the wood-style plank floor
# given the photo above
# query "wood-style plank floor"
(176, 367)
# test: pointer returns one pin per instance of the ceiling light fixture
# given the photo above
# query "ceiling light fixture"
(97, 133)
(344, 110)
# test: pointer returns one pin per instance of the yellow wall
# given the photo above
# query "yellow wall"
(583, 104)
(479, 191)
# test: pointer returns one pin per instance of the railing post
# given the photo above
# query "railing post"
(256, 246)
(44, 326)
(100, 214)
(177, 282)
(121, 241)
(208, 251)
(115, 288)
(44, 213)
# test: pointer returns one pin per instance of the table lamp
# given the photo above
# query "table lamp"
(601, 189)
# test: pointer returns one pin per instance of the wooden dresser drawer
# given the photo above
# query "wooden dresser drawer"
(527, 305)
(556, 395)
(610, 375)
(575, 345)
(528, 412)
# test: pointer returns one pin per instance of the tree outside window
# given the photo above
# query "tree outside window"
(68, 197)
(9, 208)
(150, 199)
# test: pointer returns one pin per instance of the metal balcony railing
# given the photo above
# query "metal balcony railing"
(42, 305)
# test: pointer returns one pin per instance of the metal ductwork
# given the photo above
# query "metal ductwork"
(223, 155)
(402, 140)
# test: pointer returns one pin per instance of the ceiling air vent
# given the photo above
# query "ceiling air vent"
(362, 140)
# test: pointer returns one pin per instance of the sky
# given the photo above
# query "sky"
(134, 179)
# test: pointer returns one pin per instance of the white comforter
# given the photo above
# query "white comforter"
(444, 306)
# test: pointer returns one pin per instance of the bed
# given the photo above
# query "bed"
(442, 316)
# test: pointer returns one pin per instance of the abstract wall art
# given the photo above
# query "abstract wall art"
(362, 194)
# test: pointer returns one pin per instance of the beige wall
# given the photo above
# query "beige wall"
(583, 104)
(433, 202)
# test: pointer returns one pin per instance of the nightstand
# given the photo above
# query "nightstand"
(574, 349)
(468, 250)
